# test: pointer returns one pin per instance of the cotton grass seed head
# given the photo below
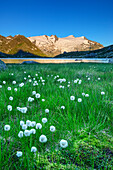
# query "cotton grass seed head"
(46, 110)
(38, 126)
(24, 127)
(33, 149)
(79, 100)
(86, 95)
(15, 89)
(83, 94)
(63, 143)
(9, 107)
(4, 82)
(44, 120)
(27, 133)
(21, 123)
(32, 131)
(37, 95)
(9, 88)
(23, 109)
(20, 134)
(72, 98)
(75, 81)
(52, 128)
(11, 98)
(28, 123)
(63, 107)
(14, 82)
(33, 92)
(33, 123)
(80, 81)
(102, 93)
(0, 86)
(42, 139)
(19, 154)
(7, 127)
(30, 99)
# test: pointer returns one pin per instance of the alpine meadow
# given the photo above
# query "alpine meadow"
(56, 116)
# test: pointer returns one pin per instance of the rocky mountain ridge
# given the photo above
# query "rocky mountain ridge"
(52, 45)
(45, 46)
(11, 45)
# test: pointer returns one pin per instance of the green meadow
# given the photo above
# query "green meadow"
(79, 99)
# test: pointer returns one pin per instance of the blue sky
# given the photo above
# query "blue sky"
(92, 19)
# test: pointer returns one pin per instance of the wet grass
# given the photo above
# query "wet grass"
(86, 125)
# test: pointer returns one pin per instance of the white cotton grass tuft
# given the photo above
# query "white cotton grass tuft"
(86, 95)
(28, 123)
(38, 126)
(15, 89)
(33, 92)
(0, 86)
(33, 149)
(83, 94)
(4, 82)
(30, 99)
(32, 131)
(20, 134)
(9, 88)
(27, 133)
(43, 100)
(37, 95)
(9, 107)
(44, 120)
(42, 139)
(80, 81)
(63, 107)
(19, 154)
(11, 98)
(21, 123)
(52, 128)
(14, 82)
(22, 109)
(21, 84)
(24, 127)
(33, 123)
(72, 98)
(46, 110)
(7, 127)
(79, 100)
(102, 93)
(63, 143)
(75, 81)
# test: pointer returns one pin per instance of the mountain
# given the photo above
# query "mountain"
(48, 46)
(52, 45)
(11, 45)
(106, 52)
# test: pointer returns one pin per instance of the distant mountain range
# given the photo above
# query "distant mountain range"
(52, 45)
(44, 46)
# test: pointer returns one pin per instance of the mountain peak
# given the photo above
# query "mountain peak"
(71, 36)
(83, 37)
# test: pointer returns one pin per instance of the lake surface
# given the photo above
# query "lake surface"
(55, 60)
